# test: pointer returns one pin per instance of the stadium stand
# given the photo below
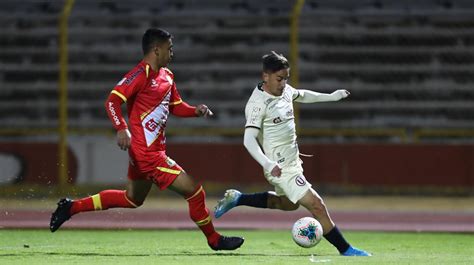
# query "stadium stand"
(408, 64)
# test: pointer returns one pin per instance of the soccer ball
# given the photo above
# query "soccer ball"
(307, 232)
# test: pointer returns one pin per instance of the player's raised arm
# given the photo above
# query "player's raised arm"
(251, 144)
(184, 110)
(308, 96)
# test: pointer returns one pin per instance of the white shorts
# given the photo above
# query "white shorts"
(291, 183)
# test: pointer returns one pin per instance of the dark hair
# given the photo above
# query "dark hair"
(274, 62)
(152, 37)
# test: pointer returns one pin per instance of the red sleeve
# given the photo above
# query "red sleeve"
(178, 107)
(131, 83)
(114, 111)
(183, 110)
(175, 96)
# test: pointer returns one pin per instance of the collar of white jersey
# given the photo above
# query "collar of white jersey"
(265, 93)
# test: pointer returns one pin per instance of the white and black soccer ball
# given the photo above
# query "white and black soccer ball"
(307, 232)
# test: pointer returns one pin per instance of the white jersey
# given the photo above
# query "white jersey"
(275, 119)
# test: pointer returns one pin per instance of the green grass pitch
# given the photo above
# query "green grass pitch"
(189, 247)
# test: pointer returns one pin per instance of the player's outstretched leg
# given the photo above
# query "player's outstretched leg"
(102, 201)
(352, 251)
(316, 206)
(61, 215)
(230, 200)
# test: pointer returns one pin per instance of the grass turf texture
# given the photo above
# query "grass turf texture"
(189, 247)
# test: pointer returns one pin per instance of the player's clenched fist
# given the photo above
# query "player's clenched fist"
(203, 110)
(341, 93)
(123, 139)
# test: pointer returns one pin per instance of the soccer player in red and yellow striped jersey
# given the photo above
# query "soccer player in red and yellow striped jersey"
(151, 96)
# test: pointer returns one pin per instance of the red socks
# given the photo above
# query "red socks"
(117, 198)
(200, 215)
(102, 201)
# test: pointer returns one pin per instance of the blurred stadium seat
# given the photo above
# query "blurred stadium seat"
(408, 64)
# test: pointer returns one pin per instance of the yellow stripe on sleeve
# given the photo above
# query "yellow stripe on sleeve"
(97, 202)
(176, 102)
(119, 94)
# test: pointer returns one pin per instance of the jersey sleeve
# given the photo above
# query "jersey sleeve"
(130, 84)
(295, 93)
(112, 106)
(183, 110)
(254, 114)
(175, 98)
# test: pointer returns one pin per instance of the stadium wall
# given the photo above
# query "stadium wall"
(346, 167)
(349, 167)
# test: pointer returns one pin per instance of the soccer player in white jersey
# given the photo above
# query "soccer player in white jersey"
(270, 126)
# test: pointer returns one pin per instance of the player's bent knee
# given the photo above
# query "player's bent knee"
(281, 203)
(291, 206)
(287, 205)
(274, 202)
(315, 205)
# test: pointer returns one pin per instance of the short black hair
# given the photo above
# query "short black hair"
(274, 62)
(152, 37)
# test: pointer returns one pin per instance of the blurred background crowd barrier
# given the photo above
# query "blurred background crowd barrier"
(408, 125)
